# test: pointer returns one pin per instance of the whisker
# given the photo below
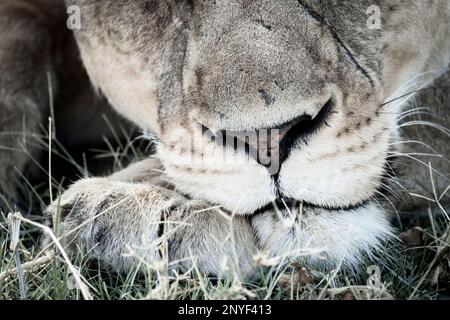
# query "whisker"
(407, 95)
(428, 124)
(416, 142)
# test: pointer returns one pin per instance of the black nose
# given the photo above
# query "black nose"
(271, 147)
(288, 135)
(293, 132)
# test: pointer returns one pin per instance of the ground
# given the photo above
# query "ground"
(415, 267)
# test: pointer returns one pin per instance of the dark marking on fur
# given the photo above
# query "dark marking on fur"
(149, 6)
(100, 236)
(268, 99)
(162, 229)
(343, 132)
(352, 58)
(109, 201)
(264, 24)
(311, 12)
(271, 207)
(199, 76)
(174, 244)
(279, 85)
(393, 7)
(320, 19)
(222, 115)
(64, 211)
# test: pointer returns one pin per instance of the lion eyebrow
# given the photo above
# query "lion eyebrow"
(319, 18)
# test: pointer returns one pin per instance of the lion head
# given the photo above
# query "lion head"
(262, 104)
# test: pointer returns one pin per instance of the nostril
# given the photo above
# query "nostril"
(301, 128)
(280, 140)
(307, 125)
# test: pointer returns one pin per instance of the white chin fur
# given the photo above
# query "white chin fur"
(323, 238)
(240, 187)
(341, 180)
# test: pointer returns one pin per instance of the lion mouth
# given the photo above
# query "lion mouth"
(283, 203)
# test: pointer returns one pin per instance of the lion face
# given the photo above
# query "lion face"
(260, 103)
(254, 67)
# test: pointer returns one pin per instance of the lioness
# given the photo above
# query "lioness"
(277, 123)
